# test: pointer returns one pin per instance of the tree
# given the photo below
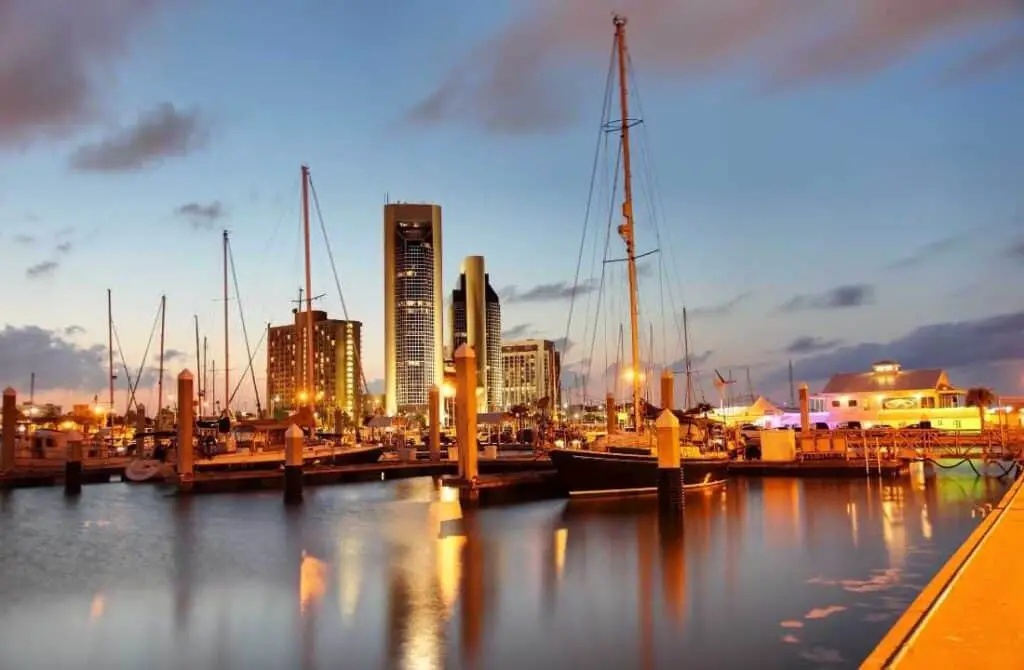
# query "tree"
(982, 398)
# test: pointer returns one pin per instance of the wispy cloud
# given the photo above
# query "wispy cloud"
(841, 297)
(517, 331)
(810, 345)
(932, 251)
(24, 239)
(721, 309)
(43, 269)
(202, 216)
(157, 134)
(522, 79)
(57, 58)
(553, 292)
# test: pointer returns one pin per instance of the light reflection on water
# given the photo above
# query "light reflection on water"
(767, 573)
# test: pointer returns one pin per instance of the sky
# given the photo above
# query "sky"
(827, 183)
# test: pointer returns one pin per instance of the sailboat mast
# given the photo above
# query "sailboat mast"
(311, 386)
(626, 229)
(160, 379)
(686, 360)
(227, 375)
(110, 352)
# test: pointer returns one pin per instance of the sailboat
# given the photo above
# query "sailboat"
(625, 463)
(305, 415)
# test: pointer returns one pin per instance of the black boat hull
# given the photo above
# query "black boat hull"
(359, 455)
(583, 472)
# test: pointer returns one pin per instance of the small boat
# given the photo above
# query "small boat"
(148, 470)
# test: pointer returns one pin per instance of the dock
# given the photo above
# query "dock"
(830, 467)
(30, 473)
(507, 487)
(971, 614)
(257, 480)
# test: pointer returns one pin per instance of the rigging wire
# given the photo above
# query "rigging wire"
(604, 266)
(590, 198)
(132, 388)
(245, 335)
(337, 281)
(249, 368)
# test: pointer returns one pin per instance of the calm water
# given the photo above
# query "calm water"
(769, 573)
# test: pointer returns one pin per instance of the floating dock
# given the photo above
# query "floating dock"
(258, 480)
(507, 487)
(832, 467)
(971, 614)
(40, 472)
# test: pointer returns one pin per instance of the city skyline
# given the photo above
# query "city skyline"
(866, 210)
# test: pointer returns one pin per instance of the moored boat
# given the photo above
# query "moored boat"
(148, 470)
(625, 462)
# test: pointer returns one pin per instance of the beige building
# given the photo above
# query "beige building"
(532, 370)
(413, 306)
(336, 382)
(889, 395)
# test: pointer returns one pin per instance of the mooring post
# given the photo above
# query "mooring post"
(670, 467)
(434, 417)
(140, 428)
(805, 420)
(10, 429)
(186, 419)
(668, 389)
(610, 417)
(293, 465)
(465, 401)
(73, 464)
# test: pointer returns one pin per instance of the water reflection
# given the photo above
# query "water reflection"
(770, 572)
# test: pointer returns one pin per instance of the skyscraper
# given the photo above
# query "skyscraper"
(413, 307)
(337, 348)
(476, 319)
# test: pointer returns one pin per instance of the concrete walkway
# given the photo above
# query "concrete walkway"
(971, 615)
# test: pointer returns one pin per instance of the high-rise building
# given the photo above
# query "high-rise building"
(413, 307)
(476, 320)
(337, 382)
(532, 370)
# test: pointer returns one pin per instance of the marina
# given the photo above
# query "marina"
(509, 465)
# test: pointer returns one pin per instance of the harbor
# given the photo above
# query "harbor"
(461, 437)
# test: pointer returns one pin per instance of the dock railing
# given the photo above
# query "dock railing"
(891, 443)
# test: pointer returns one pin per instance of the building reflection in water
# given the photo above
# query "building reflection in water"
(97, 607)
(350, 576)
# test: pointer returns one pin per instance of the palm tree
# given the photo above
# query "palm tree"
(982, 398)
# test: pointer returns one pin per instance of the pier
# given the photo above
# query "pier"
(970, 615)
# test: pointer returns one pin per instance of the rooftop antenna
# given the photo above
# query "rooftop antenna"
(792, 388)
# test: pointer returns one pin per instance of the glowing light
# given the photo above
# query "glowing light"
(96, 608)
(312, 581)
(561, 541)
(448, 389)
(303, 396)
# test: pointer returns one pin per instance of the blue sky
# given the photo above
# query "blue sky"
(886, 159)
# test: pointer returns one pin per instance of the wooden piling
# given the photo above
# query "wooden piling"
(670, 467)
(10, 429)
(465, 419)
(293, 439)
(611, 420)
(434, 417)
(186, 420)
(668, 389)
(73, 464)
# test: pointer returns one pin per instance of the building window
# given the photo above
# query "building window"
(928, 403)
(835, 403)
(852, 403)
